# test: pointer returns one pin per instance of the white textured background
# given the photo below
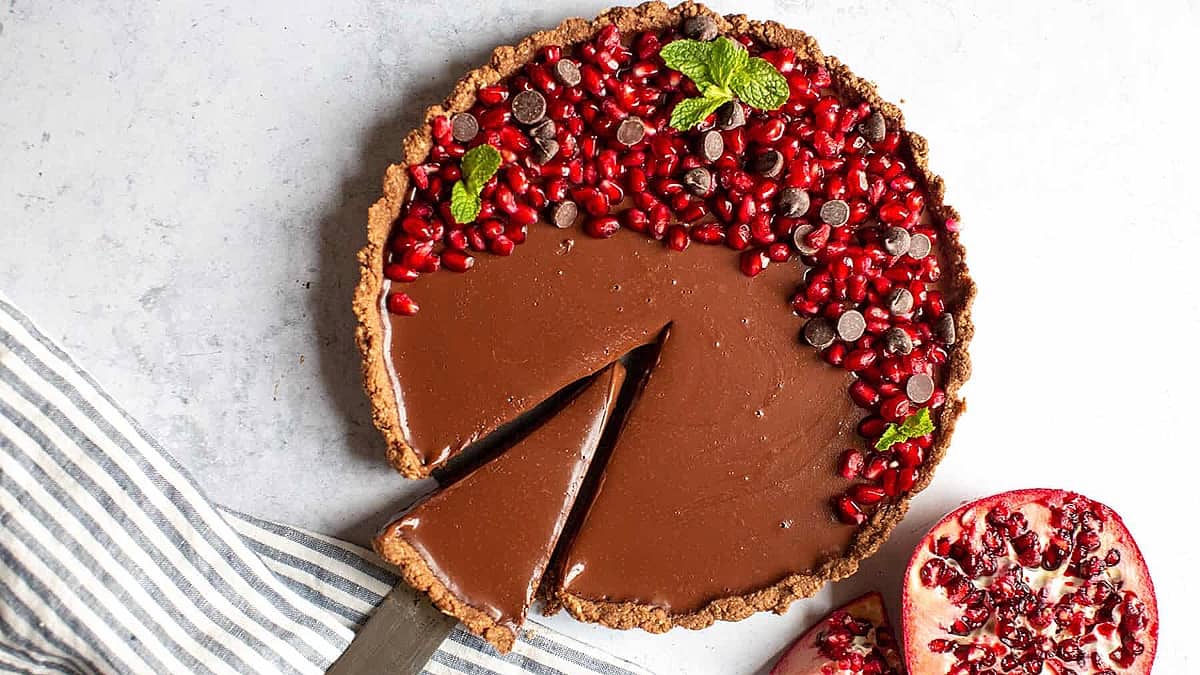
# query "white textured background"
(183, 185)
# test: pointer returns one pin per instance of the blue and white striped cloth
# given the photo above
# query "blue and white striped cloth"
(113, 561)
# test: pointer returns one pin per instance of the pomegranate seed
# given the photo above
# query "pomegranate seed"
(864, 395)
(753, 262)
(875, 467)
(398, 272)
(849, 512)
(851, 463)
(492, 95)
(708, 233)
(867, 494)
(457, 260)
(895, 409)
(677, 237)
(859, 359)
(402, 304)
(602, 227)
(502, 245)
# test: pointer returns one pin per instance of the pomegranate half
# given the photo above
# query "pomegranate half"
(854, 638)
(1030, 581)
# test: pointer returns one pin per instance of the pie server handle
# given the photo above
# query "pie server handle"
(399, 638)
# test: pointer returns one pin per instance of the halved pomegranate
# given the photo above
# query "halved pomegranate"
(1031, 581)
(855, 638)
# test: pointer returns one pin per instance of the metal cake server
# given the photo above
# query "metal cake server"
(399, 638)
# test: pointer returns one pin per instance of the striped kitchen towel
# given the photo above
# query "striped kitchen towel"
(113, 561)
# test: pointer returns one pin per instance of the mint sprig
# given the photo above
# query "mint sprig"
(721, 70)
(913, 426)
(479, 164)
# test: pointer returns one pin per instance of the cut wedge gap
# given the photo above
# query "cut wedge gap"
(639, 364)
(507, 435)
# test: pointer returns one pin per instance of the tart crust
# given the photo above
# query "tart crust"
(416, 573)
(372, 337)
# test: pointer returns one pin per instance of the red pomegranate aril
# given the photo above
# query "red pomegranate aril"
(677, 238)
(767, 131)
(779, 252)
(492, 95)
(402, 304)
(693, 212)
(501, 245)
(849, 512)
(867, 494)
(457, 261)
(864, 394)
(890, 482)
(400, 273)
(835, 354)
(635, 180)
(895, 409)
(876, 466)
(851, 464)
(859, 359)
(636, 220)
(753, 262)
(602, 227)
(893, 213)
(491, 228)
(707, 233)
(908, 454)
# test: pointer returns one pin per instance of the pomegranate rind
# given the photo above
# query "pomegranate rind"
(804, 658)
(924, 611)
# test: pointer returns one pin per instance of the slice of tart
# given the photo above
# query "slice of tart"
(796, 266)
(479, 547)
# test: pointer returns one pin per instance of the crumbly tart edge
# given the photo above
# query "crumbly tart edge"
(417, 573)
(371, 333)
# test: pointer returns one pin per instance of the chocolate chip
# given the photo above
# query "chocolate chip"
(698, 181)
(544, 129)
(631, 131)
(919, 247)
(567, 72)
(899, 301)
(463, 127)
(896, 340)
(943, 329)
(712, 145)
(896, 241)
(700, 28)
(769, 163)
(819, 333)
(731, 115)
(919, 388)
(564, 214)
(798, 236)
(544, 149)
(835, 212)
(851, 325)
(793, 202)
(874, 128)
(529, 107)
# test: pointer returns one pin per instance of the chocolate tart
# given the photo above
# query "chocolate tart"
(743, 476)
(479, 547)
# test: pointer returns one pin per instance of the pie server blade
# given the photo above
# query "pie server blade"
(398, 639)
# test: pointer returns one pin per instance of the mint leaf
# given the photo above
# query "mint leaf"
(760, 85)
(891, 436)
(689, 57)
(464, 204)
(692, 111)
(479, 164)
(726, 58)
(916, 424)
